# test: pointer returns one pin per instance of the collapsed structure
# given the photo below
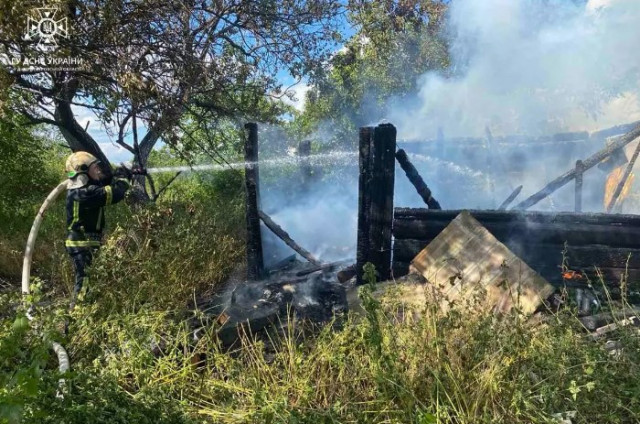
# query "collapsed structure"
(539, 249)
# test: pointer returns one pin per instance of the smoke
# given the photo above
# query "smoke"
(531, 67)
(534, 68)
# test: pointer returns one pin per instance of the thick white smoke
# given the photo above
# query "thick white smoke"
(532, 67)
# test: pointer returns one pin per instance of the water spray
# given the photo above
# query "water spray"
(317, 159)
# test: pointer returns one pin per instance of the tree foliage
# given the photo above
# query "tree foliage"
(146, 65)
(27, 173)
(396, 42)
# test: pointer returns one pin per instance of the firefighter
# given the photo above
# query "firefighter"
(87, 195)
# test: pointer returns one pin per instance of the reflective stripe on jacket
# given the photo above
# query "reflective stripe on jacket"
(85, 212)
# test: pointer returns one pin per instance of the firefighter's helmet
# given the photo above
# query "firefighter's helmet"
(79, 163)
(77, 167)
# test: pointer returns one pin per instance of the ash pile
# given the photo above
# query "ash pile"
(293, 291)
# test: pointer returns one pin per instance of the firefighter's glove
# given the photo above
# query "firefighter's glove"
(123, 172)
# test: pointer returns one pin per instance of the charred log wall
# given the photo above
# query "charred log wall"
(609, 242)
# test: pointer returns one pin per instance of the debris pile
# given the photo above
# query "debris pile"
(296, 291)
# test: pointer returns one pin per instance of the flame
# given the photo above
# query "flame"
(612, 183)
(572, 275)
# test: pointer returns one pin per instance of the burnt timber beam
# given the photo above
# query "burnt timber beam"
(510, 199)
(381, 188)
(623, 180)
(364, 200)
(587, 164)
(255, 260)
(416, 180)
(578, 188)
(284, 236)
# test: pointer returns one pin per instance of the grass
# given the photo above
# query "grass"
(134, 358)
(428, 367)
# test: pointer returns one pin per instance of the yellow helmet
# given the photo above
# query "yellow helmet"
(79, 163)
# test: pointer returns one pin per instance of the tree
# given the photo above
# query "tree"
(153, 63)
(396, 42)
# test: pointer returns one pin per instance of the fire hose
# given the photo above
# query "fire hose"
(64, 364)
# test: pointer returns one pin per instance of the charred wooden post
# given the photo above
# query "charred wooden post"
(284, 236)
(586, 164)
(381, 188)
(416, 180)
(579, 172)
(623, 180)
(364, 200)
(255, 261)
(510, 199)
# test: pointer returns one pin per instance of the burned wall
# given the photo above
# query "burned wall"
(553, 244)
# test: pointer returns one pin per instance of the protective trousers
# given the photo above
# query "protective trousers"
(82, 259)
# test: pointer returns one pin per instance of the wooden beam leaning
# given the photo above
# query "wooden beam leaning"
(579, 179)
(381, 188)
(364, 200)
(255, 261)
(623, 180)
(284, 236)
(416, 180)
(510, 199)
(587, 164)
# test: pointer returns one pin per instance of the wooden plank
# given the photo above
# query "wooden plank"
(414, 177)
(510, 199)
(284, 236)
(553, 274)
(624, 179)
(616, 130)
(519, 216)
(547, 260)
(573, 234)
(466, 259)
(578, 187)
(583, 255)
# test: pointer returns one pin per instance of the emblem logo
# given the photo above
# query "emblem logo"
(44, 27)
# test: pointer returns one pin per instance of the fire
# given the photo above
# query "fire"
(572, 275)
(612, 183)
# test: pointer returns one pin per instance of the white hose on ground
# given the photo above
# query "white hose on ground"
(63, 357)
(33, 234)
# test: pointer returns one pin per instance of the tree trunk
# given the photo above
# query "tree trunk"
(76, 137)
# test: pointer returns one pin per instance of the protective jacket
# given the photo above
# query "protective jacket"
(85, 212)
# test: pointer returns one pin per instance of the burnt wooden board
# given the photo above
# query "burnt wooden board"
(468, 264)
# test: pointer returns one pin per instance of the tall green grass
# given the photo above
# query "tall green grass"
(397, 363)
